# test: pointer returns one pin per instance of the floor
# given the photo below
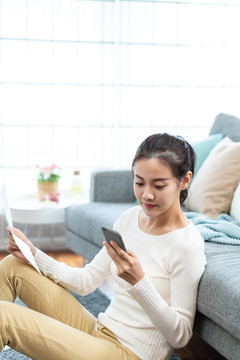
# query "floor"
(197, 349)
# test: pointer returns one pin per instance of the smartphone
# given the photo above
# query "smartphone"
(111, 234)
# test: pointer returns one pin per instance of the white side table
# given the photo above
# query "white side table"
(28, 210)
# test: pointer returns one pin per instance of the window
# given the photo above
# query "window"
(83, 82)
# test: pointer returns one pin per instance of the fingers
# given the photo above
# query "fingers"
(118, 255)
(131, 253)
(128, 266)
(8, 230)
(109, 249)
(114, 256)
(11, 241)
(17, 232)
(112, 253)
(116, 247)
(12, 246)
(11, 230)
(10, 236)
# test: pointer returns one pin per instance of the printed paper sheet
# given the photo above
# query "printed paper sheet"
(23, 247)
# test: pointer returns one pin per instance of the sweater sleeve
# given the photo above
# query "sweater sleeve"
(174, 320)
(80, 280)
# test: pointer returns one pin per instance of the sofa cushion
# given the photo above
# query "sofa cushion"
(212, 189)
(219, 290)
(85, 220)
(203, 147)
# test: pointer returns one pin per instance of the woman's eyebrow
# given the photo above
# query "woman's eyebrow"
(138, 176)
(158, 179)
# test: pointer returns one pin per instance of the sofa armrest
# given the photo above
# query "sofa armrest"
(112, 186)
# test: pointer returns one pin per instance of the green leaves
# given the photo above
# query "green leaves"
(48, 174)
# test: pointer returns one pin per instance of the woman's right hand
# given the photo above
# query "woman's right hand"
(13, 248)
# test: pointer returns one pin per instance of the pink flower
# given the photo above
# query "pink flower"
(47, 170)
(48, 173)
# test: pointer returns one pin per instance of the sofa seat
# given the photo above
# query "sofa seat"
(219, 292)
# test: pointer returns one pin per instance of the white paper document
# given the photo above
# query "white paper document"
(23, 247)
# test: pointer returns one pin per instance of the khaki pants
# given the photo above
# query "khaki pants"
(55, 325)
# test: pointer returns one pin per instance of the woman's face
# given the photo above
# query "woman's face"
(155, 186)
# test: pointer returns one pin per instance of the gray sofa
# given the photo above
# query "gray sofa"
(218, 304)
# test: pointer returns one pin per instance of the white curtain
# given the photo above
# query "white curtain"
(83, 82)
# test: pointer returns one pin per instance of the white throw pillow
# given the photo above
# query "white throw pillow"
(235, 206)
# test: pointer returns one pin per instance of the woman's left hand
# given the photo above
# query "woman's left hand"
(128, 265)
(12, 246)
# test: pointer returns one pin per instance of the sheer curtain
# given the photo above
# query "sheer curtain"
(83, 82)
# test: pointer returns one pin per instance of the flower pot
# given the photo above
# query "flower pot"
(47, 187)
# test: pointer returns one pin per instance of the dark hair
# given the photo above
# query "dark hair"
(174, 150)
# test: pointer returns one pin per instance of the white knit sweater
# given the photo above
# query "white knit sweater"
(156, 314)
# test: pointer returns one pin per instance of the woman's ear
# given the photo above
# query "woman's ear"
(186, 180)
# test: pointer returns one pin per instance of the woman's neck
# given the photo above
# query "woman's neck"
(163, 223)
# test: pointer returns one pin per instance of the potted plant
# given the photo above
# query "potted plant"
(48, 178)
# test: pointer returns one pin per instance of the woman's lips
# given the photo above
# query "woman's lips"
(149, 206)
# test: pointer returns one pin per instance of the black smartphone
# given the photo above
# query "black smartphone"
(111, 234)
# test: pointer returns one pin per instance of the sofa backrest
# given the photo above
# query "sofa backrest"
(227, 124)
(112, 186)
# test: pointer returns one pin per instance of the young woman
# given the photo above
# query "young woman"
(154, 305)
